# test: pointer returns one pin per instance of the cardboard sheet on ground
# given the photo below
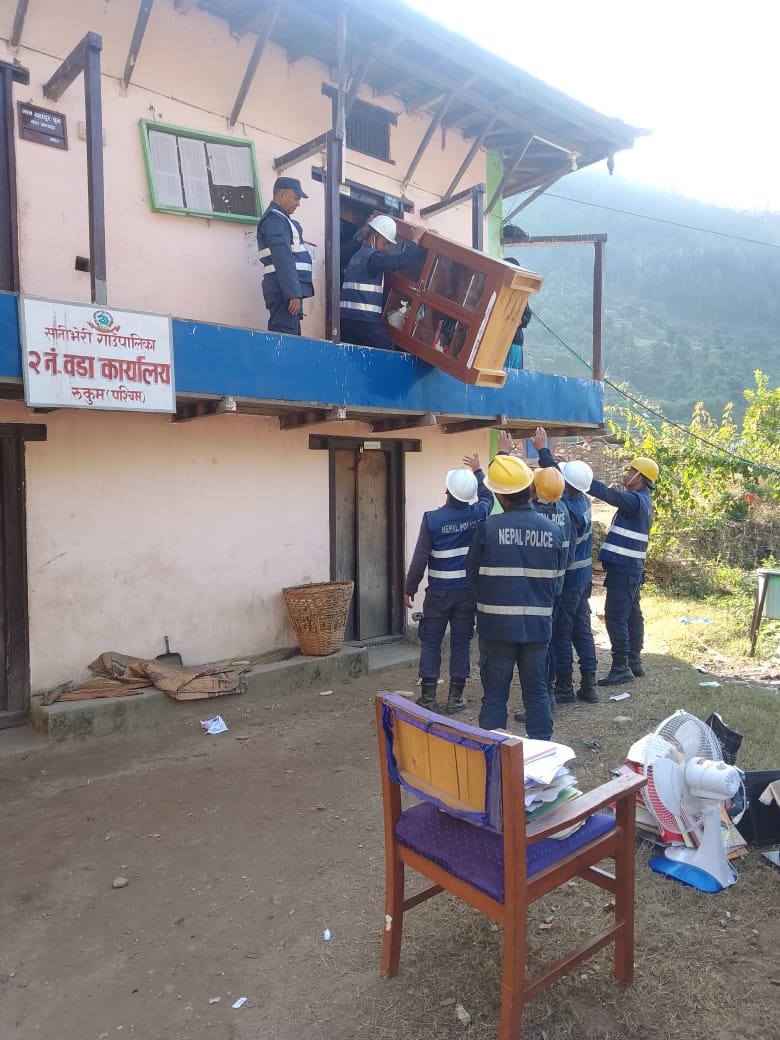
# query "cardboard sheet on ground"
(182, 683)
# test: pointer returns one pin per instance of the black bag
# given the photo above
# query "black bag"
(730, 739)
(761, 823)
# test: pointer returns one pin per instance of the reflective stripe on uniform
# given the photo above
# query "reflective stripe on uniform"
(491, 608)
(519, 572)
(349, 305)
(446, 574)
(443, 554)
(635, 536)
(619, 550)
(368, 287)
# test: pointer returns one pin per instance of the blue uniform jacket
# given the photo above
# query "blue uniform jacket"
(629, 533)
(559, 514)
(580, 568)
(362, 289)
(444, 540)
(287, 263)
(513, 567)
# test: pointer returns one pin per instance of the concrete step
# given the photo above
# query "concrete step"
(152, 709)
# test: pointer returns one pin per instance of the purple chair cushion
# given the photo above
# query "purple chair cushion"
(475, 854)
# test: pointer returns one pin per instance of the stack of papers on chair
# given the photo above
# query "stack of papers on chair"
(548, 779)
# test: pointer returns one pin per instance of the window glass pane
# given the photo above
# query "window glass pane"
(165, 169)
(230, 165)
(192, 155)
(456, 282)
(438, 330)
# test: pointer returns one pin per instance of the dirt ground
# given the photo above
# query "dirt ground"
(242, 849)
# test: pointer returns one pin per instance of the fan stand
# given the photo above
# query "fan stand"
(706, 867)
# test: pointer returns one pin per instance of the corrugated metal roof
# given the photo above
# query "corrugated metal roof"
(422, 63)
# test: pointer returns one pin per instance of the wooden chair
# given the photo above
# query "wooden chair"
(468, 835)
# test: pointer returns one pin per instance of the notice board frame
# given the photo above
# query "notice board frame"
(28, 112)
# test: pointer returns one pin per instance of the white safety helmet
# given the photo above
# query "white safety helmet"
(384, 226)
(578, 474)
(461, 484)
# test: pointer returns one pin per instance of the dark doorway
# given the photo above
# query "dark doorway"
(367, 529)
(14, 628)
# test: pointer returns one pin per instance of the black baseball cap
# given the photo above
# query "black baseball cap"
(292, 183)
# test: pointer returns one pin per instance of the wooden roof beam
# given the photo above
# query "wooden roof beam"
(464, 54)
(432, 128)
(467, 97)
(518, 158)
(464, 425)
(407, 422)
(254, 21)
(466, 120)
(189, 410)
(18, 26)
(358, 77)
(547, 183)
(263, 35)
(424, 98)
(303, 151)
(144, 10)
(470, 157)
(312, 417)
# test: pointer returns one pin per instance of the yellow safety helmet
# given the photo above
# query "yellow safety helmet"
(549, 483)
(647, 467)
(507, 475)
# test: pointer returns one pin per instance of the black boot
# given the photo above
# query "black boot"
(456, 701)
(635, 664)
(519, 716)
(587, 691)
(619, 673)
(427, 698)
(564, 688)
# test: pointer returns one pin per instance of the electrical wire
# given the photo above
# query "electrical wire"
(663, 220)
(719, 452)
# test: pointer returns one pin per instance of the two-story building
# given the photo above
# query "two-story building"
(140, 142)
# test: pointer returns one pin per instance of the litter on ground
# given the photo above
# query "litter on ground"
(215, 725)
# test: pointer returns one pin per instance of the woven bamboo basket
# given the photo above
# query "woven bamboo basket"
(319, 615)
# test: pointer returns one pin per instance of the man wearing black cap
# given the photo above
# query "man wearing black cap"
(287, 263)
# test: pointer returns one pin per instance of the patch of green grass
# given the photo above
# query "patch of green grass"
(726, 631)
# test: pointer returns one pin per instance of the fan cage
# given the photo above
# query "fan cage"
(680, 737)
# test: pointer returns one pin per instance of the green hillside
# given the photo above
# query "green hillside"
(691, 298)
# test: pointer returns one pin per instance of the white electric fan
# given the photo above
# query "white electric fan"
(687, 784)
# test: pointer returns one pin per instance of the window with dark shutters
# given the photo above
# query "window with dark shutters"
(368, 127)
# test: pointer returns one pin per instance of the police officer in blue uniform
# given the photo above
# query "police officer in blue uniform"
(442, 544)
(572, 619)
(362, 295)
(547, 491)
(513, 566)
(287, 264)
(623, 556)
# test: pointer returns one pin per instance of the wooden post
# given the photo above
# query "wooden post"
(332, 239)
(597, 371)
(9, 227)
(478, 217)
(95, 182)
(85, 57)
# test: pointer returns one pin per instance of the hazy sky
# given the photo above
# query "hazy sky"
(702, 74)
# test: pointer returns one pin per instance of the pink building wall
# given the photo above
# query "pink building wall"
(188, 74)
(138, 527)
